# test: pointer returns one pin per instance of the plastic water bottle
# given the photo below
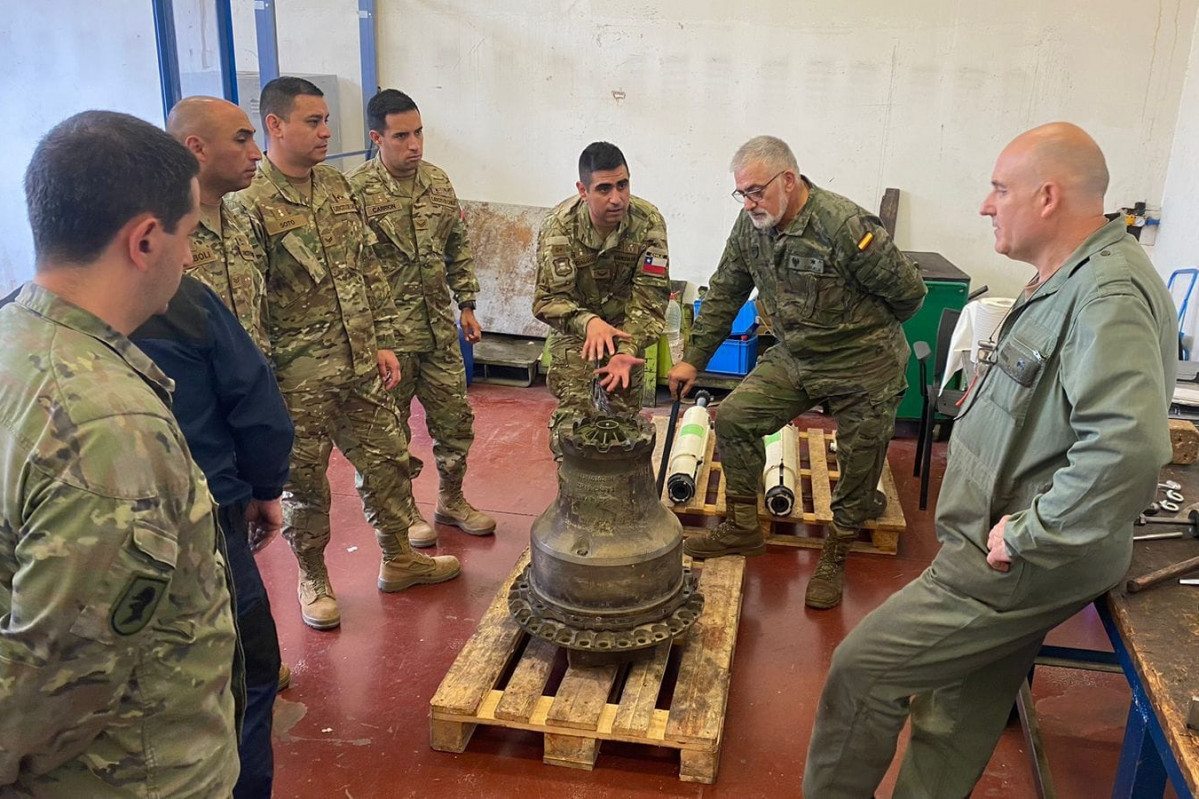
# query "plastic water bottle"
(674, 328)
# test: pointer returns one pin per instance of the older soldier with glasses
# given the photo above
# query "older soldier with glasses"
(835, 290)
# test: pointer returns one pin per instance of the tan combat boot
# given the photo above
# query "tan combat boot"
(284, 676)
(413, 568)
(421, 533)
(739, 534)
(318, 603)
(454, 510)
(826, 585)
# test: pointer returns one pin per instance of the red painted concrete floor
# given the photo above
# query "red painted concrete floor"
(354, 723)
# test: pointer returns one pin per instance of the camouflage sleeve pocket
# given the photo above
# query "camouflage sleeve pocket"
(129, 594)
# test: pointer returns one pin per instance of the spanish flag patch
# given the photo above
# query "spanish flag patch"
(865, 242)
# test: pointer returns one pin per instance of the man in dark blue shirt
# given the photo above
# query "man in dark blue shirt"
(229, 407)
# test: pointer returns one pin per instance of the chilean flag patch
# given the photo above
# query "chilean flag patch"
(654, 265)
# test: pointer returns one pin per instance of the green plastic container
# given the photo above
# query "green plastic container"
(948, 287)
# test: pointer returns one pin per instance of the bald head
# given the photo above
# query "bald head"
(198, 116)
(1065, 154)
(1046, 194)
(220, 136)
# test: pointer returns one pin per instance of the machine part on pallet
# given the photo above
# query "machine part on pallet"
(1175, 496)
(690, 446)
(1151, 510)
(1170, 485)
(781, 475)
(606, 577)
(1172, 507)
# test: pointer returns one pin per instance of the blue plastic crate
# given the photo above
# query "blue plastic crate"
(736, 356)
(743, 323)
(468, 356)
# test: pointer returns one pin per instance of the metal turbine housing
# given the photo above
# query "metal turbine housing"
(606, 577)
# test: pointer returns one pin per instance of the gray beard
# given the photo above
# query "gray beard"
(764, 222)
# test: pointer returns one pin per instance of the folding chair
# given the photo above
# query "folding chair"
(940, 405)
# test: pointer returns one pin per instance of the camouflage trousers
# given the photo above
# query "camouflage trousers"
(571, 380)
(438, 380)
(360, 418)
(771, 396)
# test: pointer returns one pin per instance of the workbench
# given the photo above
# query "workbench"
(1155, 640)
(1155, 634)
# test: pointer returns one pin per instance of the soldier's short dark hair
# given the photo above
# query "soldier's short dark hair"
(280, 94)
(386, 102)
(599, 156)
(94, 172)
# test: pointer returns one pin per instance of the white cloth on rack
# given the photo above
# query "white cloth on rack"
(979, 321)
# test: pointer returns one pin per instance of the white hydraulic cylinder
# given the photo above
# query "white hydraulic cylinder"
(780, 477)
(690, 446)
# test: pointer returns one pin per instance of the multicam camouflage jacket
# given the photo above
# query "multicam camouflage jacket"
(230, 262)
(329, 308)
(422, 246)
(117, 644)
(623, 278)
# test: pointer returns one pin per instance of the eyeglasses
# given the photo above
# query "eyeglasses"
(757, 194)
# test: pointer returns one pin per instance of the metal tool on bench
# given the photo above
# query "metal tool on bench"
(1191, 522)
(687, 457)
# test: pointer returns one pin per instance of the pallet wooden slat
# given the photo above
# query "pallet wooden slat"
(698, 713)
(484, 655)
(581, 697)
(579, 715)
(641, 689)
(527, 681)
(822, 492)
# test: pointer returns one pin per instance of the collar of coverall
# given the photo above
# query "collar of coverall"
(1105, 236)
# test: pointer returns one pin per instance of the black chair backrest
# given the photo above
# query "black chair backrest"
(949, 320)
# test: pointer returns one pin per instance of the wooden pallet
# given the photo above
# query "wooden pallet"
(675, 698)
(813, 506)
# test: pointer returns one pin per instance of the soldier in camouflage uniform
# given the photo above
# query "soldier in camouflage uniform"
(835, 289)
(602, 285)
(118, 663)
(226, 256)
(331, 322)
(424, 252)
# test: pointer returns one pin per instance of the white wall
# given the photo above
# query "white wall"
(920, 95)
(57, 59)
(1177, 244)
(314, 37)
